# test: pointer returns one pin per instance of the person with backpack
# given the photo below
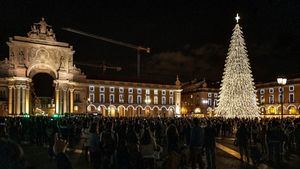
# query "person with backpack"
(108, 141)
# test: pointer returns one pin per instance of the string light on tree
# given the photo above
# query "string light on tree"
(237, 93)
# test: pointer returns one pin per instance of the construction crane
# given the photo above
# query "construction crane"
(138, 49)
(102, 66)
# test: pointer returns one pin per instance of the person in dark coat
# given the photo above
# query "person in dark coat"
(242, 136)
(210, 145)
(275, 138)
(197, 143)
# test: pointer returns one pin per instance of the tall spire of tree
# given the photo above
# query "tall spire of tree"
(237, 93)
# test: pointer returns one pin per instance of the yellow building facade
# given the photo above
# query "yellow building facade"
(199, 98)
(271, 95)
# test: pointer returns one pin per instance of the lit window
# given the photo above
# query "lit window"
(271, 99)
(191, 96)
(111, 98)
(262, 91)
(209, 102)
(280, 99)
(130, 90)
(262, 99)
(121, 98)
(130, 99)
(102, 89)
(163, 92)
(139, 99)
(271, 90)
(102, 98)
(163, 100)
(171, 92)
(215, 102)
(121, 90)
(112, 89)
(92, 97)
(291, 98)
(147, 100)
(156, 92)
(209, 94)
(91, 88)
(291, 88)
(171, 100)
(147, 91)
(139, 91)
(155, 100)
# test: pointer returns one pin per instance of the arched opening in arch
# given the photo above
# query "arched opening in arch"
(292, 110)
(102, 110)
(271, 110)
(121, 111)
(91, 108)
(139, 111)
(262, 110)
(155, 111)
(130, 111)
(112, 111)
(42, 94)
(164, 112)
(171, 112)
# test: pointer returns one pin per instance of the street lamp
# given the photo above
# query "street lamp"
(281, 81)
(204, 101)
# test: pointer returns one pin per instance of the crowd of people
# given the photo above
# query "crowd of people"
(137, 142)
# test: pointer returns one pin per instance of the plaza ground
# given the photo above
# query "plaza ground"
(227, 157)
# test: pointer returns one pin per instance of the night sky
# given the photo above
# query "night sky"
(189, 38)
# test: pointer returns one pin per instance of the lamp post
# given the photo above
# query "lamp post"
(281, 81)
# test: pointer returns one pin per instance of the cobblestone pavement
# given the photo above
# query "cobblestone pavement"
(227, 157)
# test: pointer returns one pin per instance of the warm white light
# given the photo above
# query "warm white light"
(281, 81)
(237, 96)
(204, 101)
(197, 110)
(237, 18)
(147, 101)
(284, 80)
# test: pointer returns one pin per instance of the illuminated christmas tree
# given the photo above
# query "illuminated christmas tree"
(237, 94)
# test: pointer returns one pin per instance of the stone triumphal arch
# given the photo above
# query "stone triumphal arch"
(39, 52)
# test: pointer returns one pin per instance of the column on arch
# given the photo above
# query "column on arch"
(18, 100)
(27, 97)
(57, 102)
(10, 100)
(23, 106)
(71, 100)
(65, 100)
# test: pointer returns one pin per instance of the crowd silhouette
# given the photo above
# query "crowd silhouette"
(148, 143)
